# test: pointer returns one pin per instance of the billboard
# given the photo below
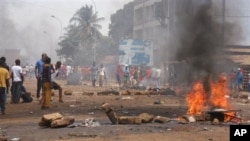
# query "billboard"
(135, 52)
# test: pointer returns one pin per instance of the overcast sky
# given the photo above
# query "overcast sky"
(39, 31)
(24, 12)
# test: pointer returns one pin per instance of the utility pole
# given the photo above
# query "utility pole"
(94, 44)
(223, 22)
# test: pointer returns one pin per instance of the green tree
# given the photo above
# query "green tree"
(87, 24)
(81, 35)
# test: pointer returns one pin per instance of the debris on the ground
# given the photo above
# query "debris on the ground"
(129, 120)
(189, 118)
(110, 112)
(88, 93)
(216, 121)
(141, 118)
(243, 95)
(108, 92)
(150, 91)
(15, 139)
(68, 92)
(158, 102)
(91, 122)
(161, 119)
(126, 98)
(146, 117)
(3, 138)
(55, 120)
(81, 135)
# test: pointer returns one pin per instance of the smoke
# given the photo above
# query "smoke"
(201, 44)
(31, 32)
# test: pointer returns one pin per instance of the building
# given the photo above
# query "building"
(149, 27)
(159, 20)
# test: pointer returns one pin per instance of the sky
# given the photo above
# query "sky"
(33, 10)
(41, 32)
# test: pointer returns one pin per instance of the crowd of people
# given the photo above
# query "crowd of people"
(47, 73)
(130, 76)
(12, 78)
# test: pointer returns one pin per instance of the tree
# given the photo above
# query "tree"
(122, 23)
(82, 33)
(86, 22)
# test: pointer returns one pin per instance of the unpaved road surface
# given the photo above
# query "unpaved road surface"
(21, 120)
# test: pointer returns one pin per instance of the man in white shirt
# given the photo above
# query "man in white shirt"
(68, 70)
(17, 82)
(55, 85)
(102, 75)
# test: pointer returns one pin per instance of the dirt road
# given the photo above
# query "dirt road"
(21, 120)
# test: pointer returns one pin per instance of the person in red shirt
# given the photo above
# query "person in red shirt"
(148, 75)
(118, 74)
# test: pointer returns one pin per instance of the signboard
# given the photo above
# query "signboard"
(135, 52)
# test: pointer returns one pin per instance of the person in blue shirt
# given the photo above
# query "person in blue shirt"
(238, 80)
(38, 73)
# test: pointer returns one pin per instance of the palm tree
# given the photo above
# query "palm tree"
(87, 24)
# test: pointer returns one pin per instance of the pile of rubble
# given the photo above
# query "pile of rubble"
(55, 120)
(141, 118)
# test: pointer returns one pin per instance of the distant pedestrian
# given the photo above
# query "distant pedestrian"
(68, 70)
(239, 80)
(94, 71)
(38, 73)
(119, 74)
(102, 75)
(46, 84)
(17, 82)
(126, 75)
(4, 80)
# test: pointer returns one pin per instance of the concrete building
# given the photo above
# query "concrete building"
(147, 25)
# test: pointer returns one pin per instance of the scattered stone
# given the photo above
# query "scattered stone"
(189, 118)
(55, 120)
(129, 120)
(146, 118)
(63, 122)
(88, 93)
(161, 119)
(183, 121)
(68, 92)
(108, 92)
(2, 138)
(216, 121)
(158, 102)
(15, 139)
(243, 95)
(109, 112)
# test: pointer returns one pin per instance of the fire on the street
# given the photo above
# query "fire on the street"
(198, 100)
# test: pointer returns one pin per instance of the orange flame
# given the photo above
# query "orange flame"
(219, 90)
(197, 97)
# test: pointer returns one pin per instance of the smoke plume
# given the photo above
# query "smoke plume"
(201, 44)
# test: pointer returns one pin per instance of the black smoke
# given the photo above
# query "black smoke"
(201, 44)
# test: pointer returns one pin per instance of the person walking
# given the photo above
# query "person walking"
(94, 71)
(6, 66)
(119, 74)
(46, 83)
(102, 75)
(54, 75)
(4, 80)
(38, 73)
(17, 82)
